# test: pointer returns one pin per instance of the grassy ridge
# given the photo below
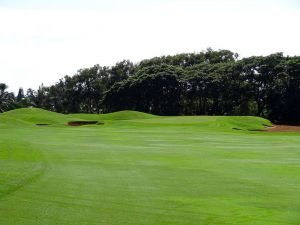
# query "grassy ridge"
(39, 116)
(36, 116)
(122, 115)
(153, 170)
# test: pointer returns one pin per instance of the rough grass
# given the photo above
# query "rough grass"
(156, 170)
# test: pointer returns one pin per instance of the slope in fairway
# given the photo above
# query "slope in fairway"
(144, 169)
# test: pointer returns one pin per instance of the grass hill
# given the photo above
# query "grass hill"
(33, 116)
(36, 116)
(122, 115)
(39, 116)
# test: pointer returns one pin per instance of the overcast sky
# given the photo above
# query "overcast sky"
(43, 40)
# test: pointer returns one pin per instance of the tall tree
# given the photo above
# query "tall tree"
(6, 98)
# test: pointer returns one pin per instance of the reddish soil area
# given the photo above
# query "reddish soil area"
(82, 123)
(283, 128)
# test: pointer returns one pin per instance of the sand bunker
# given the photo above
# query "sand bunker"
(82, 123)
(283, 128)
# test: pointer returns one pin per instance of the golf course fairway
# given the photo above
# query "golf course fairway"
(133, 168)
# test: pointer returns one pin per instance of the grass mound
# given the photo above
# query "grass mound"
(210, 123)
(43, 117)
(6, 121)
(122, 115)
(249, 123)
(36, 116)
(40, 117)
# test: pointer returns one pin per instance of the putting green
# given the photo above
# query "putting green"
(143, 169)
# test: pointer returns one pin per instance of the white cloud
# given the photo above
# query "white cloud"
(40, 45)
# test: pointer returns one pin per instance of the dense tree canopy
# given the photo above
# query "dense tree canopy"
(157, 93)
(206, 83)
(6, 98)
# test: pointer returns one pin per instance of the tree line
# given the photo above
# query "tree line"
(206, 83)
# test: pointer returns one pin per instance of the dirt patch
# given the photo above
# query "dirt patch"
(42, 124)
(283, 128)
(82, 123)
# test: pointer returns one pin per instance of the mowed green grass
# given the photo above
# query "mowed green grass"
(144, 169)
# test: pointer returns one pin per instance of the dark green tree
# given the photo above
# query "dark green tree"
(7, 99)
